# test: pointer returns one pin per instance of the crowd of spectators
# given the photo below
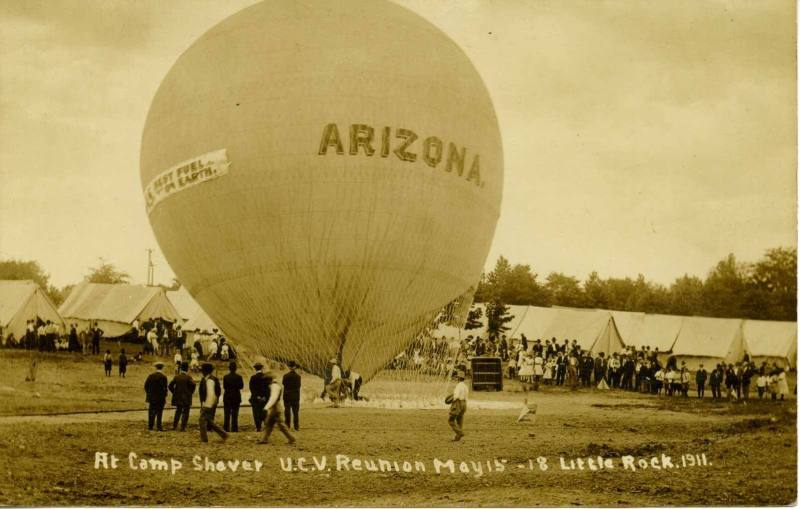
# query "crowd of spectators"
(564, 363)
(537, 364)
(156, 337)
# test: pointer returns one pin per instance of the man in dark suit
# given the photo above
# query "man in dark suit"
(291, 396)
(583, 368)
(97, 333)
(156, 389)
(182, 388)
(232, 399)
(259, 394)
(700, 379)
(600, 366)
(561, 369)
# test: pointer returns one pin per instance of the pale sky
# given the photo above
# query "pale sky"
(639, 136)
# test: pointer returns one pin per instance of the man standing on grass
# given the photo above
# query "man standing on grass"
(561, 368)
(182, 388)
(259, 395)
(291, 396)
(700, 379)
(209, 397)
(458, 407)
(233, 385)
(599, 367)
(156, 389)
(97, 333)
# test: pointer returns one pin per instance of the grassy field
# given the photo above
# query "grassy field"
(749, 450)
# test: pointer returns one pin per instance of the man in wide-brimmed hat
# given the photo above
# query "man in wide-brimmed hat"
(259, 394)
(232, 399)
(210, 391)
(182, 388)
(291, 396)
(155, 387)
(274, 410)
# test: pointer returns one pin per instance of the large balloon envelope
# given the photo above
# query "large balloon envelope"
(324, 177)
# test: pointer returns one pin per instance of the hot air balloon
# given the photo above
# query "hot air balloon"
(323, 177)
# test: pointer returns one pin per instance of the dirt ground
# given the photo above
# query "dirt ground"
(706, 453)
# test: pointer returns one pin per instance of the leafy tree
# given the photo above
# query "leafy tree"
(686, 296)
(497, 316)
(474, 318)
(107, 273)
(647, 297)
(565, 290)
(619, 292)
(772, 286)
(723, 290)
(766, 289)
(595, 291)
(522, 288)
(19, 270)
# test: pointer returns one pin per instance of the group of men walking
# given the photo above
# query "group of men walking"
(273, 403)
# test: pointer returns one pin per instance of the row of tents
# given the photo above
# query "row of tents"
(692, 339)
(114, 308)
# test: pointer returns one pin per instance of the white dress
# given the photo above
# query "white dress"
(538, 366)
(548, 370)
(526, 369)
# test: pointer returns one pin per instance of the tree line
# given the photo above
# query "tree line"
(104, 272)
(765, 290)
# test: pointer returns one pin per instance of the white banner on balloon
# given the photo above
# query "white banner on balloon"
(186, 174)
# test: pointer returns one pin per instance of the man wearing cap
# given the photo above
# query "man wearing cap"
(233, 385)
(156, 389)
(458, 407)
(274, 411)
(259, 395)
(182, 388)
(291, 396)
(209, 397)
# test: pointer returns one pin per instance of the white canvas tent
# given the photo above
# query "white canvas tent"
(115, 307)
(184, 303)
(709, 341)
(21, 301)
(660, 331)
(651, 330)
(193, 317)
(772, 342)
(629, 324)
(593, 329)
(200, 321)
(535, 323)
(523, 321)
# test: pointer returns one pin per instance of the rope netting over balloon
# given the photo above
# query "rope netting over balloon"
(361, 285)
(418, 376)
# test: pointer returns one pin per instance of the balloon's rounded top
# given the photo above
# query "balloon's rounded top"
(354, 55)
(323, 177)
